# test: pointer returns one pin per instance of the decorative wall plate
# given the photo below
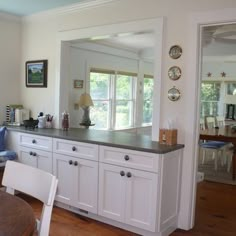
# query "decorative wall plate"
(174, 73)
(174, 94)
(175, 52)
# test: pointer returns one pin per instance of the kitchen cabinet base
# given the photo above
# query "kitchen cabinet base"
(171, 228)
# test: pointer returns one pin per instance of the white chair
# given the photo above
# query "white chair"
(217, 148)
(35, 182)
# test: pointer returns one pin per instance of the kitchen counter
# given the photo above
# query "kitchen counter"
(108, 138)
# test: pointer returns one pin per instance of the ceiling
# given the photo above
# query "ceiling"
(219, 41)
(29, 7)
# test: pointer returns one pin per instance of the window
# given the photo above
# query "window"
(147, 99)
(210, 98)
(113, 94)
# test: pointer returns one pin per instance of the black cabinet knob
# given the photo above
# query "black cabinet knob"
(122, 173)
(75, 163)
(33, 141)
(70, 162)
(128, 174)
(31, 153)
(126, 157)
(73, 148)
(34, 154)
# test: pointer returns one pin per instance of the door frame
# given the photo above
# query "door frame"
(192, 88)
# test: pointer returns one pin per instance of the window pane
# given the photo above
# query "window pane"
(124, 87)
(123, 114)
(231, 89)
(209, 108)
(99, 114)
(147, 89)
(148, 102)
(210, 92)
(99, 85)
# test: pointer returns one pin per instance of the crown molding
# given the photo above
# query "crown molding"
(69, 9)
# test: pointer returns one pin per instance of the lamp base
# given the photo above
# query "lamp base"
(86, 117)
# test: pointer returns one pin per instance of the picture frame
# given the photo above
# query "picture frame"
(78, 83)
(36, 73)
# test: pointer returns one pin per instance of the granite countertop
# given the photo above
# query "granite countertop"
(108, 138)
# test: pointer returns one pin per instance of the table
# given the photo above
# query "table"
(16, 216)
(225, 134)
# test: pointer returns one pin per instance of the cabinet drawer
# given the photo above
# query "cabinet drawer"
(36, 158)
(129, 158)
(35, 141)
(76, 149)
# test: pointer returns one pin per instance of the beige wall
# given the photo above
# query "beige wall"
(39, 42)
(10, 47)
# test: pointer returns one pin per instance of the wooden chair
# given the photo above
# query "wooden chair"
(35, 182)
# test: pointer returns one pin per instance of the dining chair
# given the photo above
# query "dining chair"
(36, 183)
(217, 148)
(5, 154)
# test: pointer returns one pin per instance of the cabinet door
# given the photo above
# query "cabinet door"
(63, 169)
(141, 199)
(36, 158)
(85, 184)
(112, 192)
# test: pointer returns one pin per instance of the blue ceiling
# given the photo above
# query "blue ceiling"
(28, 7)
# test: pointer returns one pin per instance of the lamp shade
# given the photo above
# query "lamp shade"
(85, 100)
(230, 99)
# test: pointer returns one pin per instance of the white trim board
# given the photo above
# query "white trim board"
(64, 37)
(192, 90)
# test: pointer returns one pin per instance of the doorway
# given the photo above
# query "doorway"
(223, 17)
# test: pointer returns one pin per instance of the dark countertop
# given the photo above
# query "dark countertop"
(107, 138)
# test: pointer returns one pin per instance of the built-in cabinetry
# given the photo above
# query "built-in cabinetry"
(134, 190)
(134, 197)
(76, 166)
(36, 151)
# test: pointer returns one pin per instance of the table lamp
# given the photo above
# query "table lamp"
(85, 102)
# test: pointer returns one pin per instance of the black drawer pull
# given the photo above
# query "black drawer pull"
(75, 163)
(129, 175)
(122, 173)
(34, 154)
(126, 157)
(73, 148)
(33, 141)
(70, 162)
(31, 153)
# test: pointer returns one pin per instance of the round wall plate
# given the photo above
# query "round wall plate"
(174, 73)
(175, 52)
(174, 94)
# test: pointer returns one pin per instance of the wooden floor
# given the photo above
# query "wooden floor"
(215, 216)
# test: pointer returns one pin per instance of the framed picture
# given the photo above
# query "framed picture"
(36, 73)
(78, 83)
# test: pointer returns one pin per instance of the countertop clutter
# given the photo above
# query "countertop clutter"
(108, 138)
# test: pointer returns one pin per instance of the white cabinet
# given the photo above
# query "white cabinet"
(78, 177)
(36, 158)
(128, 196)
(36, 151)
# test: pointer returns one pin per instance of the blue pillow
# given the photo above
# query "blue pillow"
(2, 138)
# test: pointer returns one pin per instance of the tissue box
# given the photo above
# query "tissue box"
(168, 136)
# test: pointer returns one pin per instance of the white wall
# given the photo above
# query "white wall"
(10, 48)
(39, 42)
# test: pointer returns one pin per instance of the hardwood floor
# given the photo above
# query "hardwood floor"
(215, 216)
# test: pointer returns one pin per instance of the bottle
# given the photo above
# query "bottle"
(65, 120)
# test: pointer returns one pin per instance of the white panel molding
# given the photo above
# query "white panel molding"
(69, 9)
